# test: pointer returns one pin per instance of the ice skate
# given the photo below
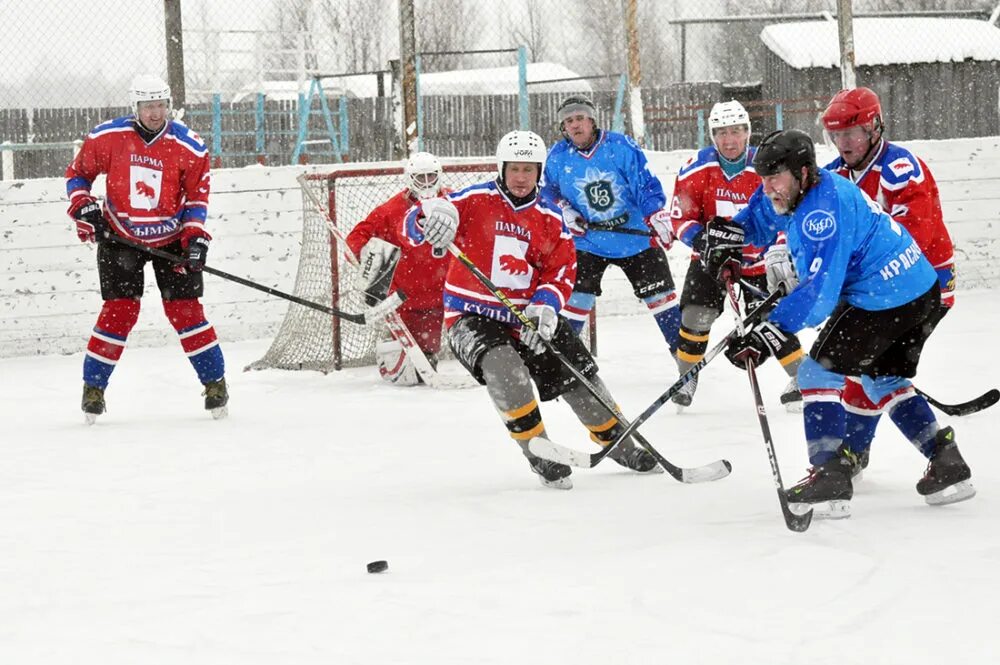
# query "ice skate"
(632, 457)
(858, 462)
(791, 397)
(947, 477)
(827, 488)
(683, 397)
(92, 404)
(550, 474)
(216, 398)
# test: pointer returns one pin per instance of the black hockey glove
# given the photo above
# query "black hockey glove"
(722, 252)
(762, 341)
(90, 224)
(197, 252)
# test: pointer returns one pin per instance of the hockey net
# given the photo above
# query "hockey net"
(307, 338)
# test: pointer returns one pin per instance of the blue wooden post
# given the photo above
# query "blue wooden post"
(522, 88)
(259, 128)
(303, 127)
(618, 119)
(217, 126)
(327, 118)
(345, 134)
(701, 128)
(779, 120)
(420, 104)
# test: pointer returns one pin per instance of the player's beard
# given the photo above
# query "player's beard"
(785, 204)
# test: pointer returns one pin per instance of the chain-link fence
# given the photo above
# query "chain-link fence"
(287, 81)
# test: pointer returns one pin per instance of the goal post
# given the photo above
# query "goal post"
(308, 339)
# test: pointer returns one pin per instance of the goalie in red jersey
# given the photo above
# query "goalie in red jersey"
(521, 243)
(419, 274)
(157, 195)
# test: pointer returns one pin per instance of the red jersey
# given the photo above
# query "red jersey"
(156, 192)
(903, 186)
(703, 191)
(526, 252)
(418, 274)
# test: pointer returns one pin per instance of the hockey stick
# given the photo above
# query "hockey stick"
(984, 401)
(713, 471)
(370, 316)
(393, 321)
(798, 522)
(975, 405)
(559, 453)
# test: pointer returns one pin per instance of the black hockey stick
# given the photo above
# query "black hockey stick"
(713, 471)
(374, 314)
(795, 521)
(984, 401)
(558, 453)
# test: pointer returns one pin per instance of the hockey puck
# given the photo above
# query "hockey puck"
(378, 566)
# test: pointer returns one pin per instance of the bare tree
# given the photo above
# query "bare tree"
(530, 27)
(602, 44)
(446, 25)
(294, 49)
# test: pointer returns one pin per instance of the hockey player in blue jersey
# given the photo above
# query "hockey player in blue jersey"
(615, 208)
(866, 277)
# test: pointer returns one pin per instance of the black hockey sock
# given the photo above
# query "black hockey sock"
(524, 423)
(692, 346)
(606, 432)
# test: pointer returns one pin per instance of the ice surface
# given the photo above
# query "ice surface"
(161, 536)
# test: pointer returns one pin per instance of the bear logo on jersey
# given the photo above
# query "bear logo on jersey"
(146, 186)
(510, 267)
(819, 225)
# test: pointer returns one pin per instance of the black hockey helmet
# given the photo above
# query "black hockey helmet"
(785, 149)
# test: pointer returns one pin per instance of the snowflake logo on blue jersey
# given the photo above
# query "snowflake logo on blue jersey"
(601, 188)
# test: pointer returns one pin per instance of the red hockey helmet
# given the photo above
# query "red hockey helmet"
(856, 106)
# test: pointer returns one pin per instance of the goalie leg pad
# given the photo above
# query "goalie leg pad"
(394, 365)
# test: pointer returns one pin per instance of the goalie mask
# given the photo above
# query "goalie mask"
(147, 88)
(423, 175)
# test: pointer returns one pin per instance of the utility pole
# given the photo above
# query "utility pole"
(175, 51)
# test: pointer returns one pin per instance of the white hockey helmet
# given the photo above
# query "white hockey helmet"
(728, 114)
(147, 88)
(423, 175)
(521, 146)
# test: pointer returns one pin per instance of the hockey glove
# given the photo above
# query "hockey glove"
(90, 224)
(573, 220)
(196, 253)
(780, 269)
(660, 222)
(723, 249)
(762, 341)
(440, 223)
(546, 321)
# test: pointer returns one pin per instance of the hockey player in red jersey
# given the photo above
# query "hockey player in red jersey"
(157, 195)
(903, 186)
(418, 274)
(718, 182)
(521, 242)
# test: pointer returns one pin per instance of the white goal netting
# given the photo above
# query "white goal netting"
(310, 339)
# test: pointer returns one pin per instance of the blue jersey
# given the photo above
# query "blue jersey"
(844, 247)
(611, 186)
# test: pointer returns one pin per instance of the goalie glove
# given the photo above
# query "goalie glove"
(762, 341)
(722, 249)
(780, 269)
(440, 222)
(546, 321)
(660, 222)
(377, 265)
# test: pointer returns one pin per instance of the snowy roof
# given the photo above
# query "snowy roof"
(884, 41)
(491, 81)
(501, 80)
